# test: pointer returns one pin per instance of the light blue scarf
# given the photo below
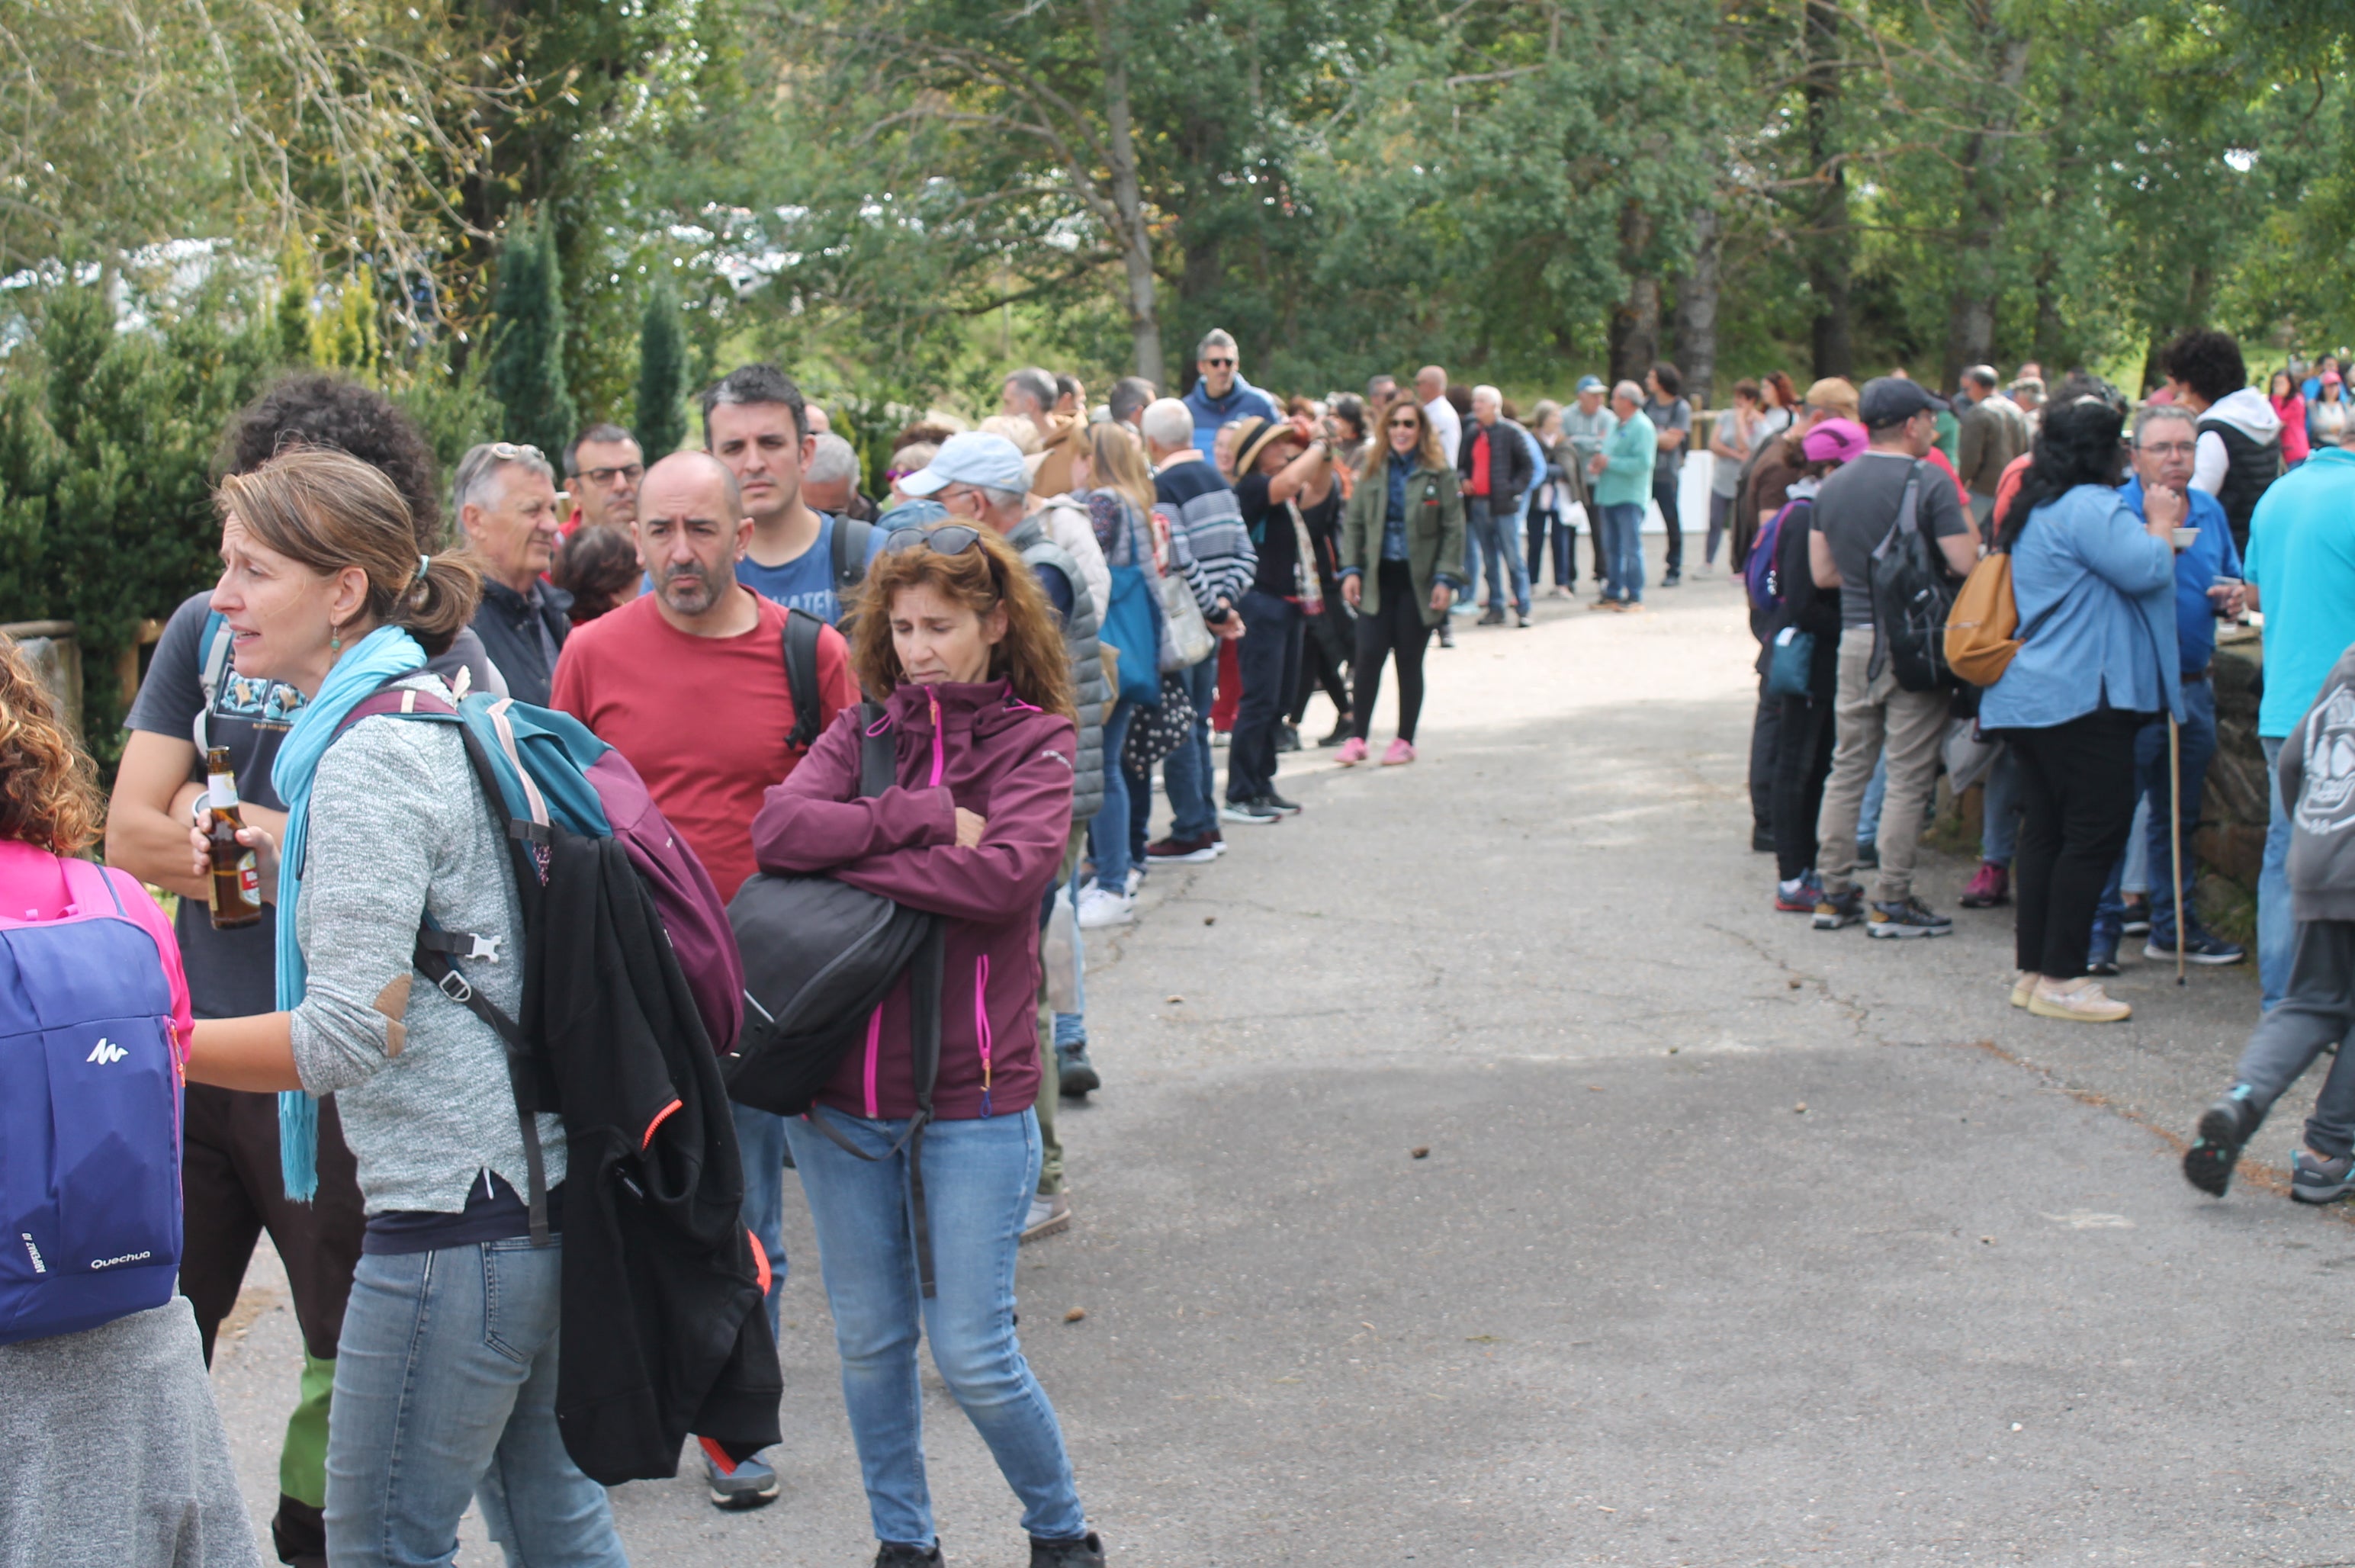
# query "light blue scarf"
(368, 664)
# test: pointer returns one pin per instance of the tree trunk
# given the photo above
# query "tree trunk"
(1134, 239)
(1696, 338)
(1827, 246)
(1970, 310)
(1635, 323)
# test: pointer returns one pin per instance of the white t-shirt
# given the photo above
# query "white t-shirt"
(1443, 417)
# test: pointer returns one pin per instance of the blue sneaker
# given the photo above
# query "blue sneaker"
(2316, 1180)
(2225, 1129)
(1835, 910)
(750, 1485)
(2199, 947)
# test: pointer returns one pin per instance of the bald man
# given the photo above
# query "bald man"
(1431, 391)
(688, 683)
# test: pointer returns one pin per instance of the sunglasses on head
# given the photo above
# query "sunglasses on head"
(509, 451)
(942, 539)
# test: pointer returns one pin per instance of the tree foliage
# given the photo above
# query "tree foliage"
(526, 332)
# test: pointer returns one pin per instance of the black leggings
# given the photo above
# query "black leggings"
(1318, 668)
(2077, 781)
(1397, 629)
(1803, 761)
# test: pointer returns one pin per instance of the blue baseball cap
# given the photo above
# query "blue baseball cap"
(971, 457)
(1591, 384)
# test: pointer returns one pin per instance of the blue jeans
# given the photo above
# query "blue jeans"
(761, 1145)
(979, 1178)
(2197, 737)
(2000, 811)
(2277, 926)
(1867, 815)
(1108, 833)
(1499, 541)
(1623, 552)
(1188, 773)
(445, 1389)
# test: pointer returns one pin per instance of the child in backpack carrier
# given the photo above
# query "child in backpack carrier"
(2317, 1011)
(98, 1355)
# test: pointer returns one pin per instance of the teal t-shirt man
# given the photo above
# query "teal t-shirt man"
(2302, 563)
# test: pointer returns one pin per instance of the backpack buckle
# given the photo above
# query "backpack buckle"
(485, 948)
(454, 985)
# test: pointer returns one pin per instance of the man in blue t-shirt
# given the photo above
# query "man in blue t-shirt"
(755, 422)
(2301, 571)
(1221, 396)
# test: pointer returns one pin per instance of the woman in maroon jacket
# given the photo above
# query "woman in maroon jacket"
(956, 627)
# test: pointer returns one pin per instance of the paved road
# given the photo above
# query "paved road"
(1735, 1243)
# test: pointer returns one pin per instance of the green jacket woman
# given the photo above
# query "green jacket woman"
(1401, 539)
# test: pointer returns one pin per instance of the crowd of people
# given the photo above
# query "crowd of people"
(955, 696)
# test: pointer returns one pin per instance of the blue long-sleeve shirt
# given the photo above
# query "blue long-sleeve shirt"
(2211, 556)
(1242, 399)
(2096, 601)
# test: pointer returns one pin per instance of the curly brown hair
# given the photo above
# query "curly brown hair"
(1031, 657)
(48, 788)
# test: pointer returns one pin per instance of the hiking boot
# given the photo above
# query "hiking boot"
(2079, 1001)
(1256, 809)
(1446, 633)
(1077, 1077)
(1288, 737)
(1989, 888)
(2314, 1179)
(1341, 728)
(1352, 753)
(750, 1485)
(2225, 1129)
(1907, 916)
(1100, 907)
(1087, 1552)
(1184, 852)
(1834, 911)
(900, 1554)
(2199, 947)
(1490, 617)
(1048, 1217)
(2138, 917)
(1798, 896)
(1280, 805)
(1400, 751)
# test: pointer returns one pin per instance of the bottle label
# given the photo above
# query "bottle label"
(248, 881)
(220, 791)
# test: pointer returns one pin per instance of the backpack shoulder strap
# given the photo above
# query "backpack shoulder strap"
(851, 537)
(878, 754)
(211, 668)
(801, 672)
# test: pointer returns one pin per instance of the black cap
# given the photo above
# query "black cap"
(1893, 400)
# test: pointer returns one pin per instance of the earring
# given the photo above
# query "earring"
(335, 641)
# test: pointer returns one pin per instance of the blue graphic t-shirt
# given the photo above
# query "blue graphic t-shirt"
(806, 582)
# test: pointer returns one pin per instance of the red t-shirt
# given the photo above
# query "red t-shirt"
(703, 720)
(1479, 484)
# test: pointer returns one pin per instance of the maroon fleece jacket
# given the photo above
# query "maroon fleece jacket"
(972, 746)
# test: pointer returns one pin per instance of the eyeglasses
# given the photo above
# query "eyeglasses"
(1220, 364)
(2170, 448)
(944, 539)
(509, 451)
(633, 472)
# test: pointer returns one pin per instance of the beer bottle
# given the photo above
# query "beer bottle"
(237, 879)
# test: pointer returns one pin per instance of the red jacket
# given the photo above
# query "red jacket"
(972, 746)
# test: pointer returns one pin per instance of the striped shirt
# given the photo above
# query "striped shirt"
(1209, 544)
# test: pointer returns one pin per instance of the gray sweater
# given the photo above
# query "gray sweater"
(2318, 782)
(399, 827)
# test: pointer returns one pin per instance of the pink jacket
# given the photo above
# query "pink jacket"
(973, 746)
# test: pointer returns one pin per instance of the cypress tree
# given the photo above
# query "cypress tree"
(527, 341)
(296, 282)
(662, 373)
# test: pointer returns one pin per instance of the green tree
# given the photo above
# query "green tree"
(662, 373)
(527, 374)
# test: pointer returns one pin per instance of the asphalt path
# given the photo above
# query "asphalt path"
(1484, 1173)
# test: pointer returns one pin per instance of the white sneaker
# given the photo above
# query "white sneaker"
(1136, 881)
(1100, 906)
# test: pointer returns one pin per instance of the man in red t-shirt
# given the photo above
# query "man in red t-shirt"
(688, 683)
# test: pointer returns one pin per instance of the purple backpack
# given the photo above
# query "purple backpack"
(89, 1115)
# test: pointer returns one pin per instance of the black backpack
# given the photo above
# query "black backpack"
(1911, 592)
(820, 957)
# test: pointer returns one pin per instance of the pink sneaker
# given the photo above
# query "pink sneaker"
(1399, 752)
(1352, 753)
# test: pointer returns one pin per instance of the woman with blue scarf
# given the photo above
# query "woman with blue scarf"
(445, 1374)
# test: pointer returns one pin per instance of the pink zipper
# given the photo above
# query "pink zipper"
(874, 1050)
(981, 1024)
(938, 759)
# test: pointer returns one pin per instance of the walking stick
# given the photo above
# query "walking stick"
(2175, 837)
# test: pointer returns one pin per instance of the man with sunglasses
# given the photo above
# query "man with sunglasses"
(688, 682)
(1221, 396)
(604, 466)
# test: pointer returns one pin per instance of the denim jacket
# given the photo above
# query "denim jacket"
(2097, 597)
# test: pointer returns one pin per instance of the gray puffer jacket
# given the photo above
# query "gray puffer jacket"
(1090, 692)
